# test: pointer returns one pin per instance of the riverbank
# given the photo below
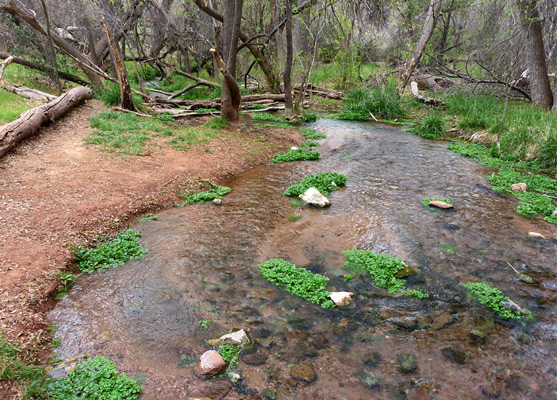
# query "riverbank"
(57, 192)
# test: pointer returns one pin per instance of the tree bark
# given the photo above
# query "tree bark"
(540, 88)
(427, 31)
(288, 65)
(30, 121)
(52, 54)
(126, 101)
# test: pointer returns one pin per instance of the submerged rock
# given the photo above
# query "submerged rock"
(536, 235)
(210, 363)
(314, 197)
(235, 338)
(440, 204)
(341, 298)
(303, 372)
(407, 363)
(269, 394)
(512, 306)
(368, 379)
(456, 356)
(406, 272)
(478, 336)
(218, 202)
(518, 187)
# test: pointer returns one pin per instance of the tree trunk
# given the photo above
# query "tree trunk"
(540, 87)
(429, 26)
(52, 52)
(230, 98)
(126, 101)
(288, 65)
(30, 121)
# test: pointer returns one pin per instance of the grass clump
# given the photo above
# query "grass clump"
(479, 153)
(416, 293)
(386, 271)
(192, 136)
(432, 127)
(217, 123)
(95, 379)
(209, 195)
(295, 155)
(11, 106)
(383, 102)
(493, 298)
(32, 381)
(298, 281)
(308, 117)
(322, 182)
(112, 253)
(267, 117)
(534, 203)
(311, 134)
(229, 353)
(308, 144)
(149, 217)
(111, 95)
(426, 202)
(294, 218)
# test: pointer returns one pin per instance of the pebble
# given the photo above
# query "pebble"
(210, 363)
(407, 363)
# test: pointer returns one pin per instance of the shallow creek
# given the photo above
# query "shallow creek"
(202, 265)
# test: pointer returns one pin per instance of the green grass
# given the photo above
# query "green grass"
(311, 134)
(32, 381)
(321, 181)
(217, 123)
(382, 102)
(492, 298)
(229, 353)
(111, 95)
(298, 281)
(308, 144)
(295, 155)
(208, 195)
(267, 117)
(432, 127)
(426, 202)
(11, 106)
(294, 218)
(95, 379)
(179, 82)
(113, 252)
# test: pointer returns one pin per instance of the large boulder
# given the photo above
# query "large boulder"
(314, 197)
(210, 363)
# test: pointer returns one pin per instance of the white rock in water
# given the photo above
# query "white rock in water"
(315, 198)
(512, 306)
(293, 148)
(237, 338)
(333, 184)
(536, 235)
(518, 187)
(341, 298)
(440, 204)
(218, 202)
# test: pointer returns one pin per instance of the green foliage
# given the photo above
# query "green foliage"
(308, 117)
(205, 323)
(11, 106)
(432, 127)
(112, 253)
(95, 379)
(294, 218)
(217, 123)
(383, 102)
(199, 93)
(149, 217)
(308, 144)
(208, 195)
(296, 203)
(193, 136)
(321, 181)
(311, 134)
(479, 153)
(492, 298)
(229, 353)
(416, 293)
(348, 277)
(507, 176)
(267, 117)
(32, 381)
(426, 202)
(381, 267)
(548, 151)
(111, 95)
(295, 155)
(534, 203)
(298, 281)
(145, 71)
(66, 279)
(164, 117)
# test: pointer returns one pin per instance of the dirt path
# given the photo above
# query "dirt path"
(55, 191)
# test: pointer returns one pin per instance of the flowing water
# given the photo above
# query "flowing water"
(202, 265)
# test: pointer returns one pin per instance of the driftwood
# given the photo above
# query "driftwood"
(423, 99)
(29, 93)
(30, 121)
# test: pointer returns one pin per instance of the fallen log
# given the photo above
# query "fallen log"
(30, 121)
(322, 92)
(423, 99)
(29, 93)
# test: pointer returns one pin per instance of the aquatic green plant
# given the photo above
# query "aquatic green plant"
(149, 217)
(426, 202)
(348, 277)
(296, 203)
(416, 293)
(114, 252)
(321, 181)
(479, 153)
(493, 298)
(66, 279)
(295, 155)
(308, 144)
(205, 323)
(229, 353)
(95, 379)
(507, 176)
(294, 217)
(192, 197)
(311, 134)
(534, 203)
(382, 268)
(298, 281)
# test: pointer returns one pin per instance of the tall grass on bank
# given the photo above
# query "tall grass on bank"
(382, 102)
(11, 106)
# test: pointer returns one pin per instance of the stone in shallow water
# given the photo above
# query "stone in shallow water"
(341, 298)
(269, 394)
(405, 272)
(440, 204)
(235, 338)
(478, 336)
(456, 356)
(518, 187)
(303, 372)
(407, 363)
(210, 363)
(536, 235)
(369, 380)
(313, 197)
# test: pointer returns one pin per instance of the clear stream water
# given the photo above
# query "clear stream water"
(202, 265)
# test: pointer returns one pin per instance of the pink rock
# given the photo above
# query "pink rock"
(440, 204)
(341, 298)
(210, 363)
(518, 187)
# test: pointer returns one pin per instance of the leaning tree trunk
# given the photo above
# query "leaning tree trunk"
(288, 65)
(30, 121)
(429, 26)
(540, 87)
(126, 101)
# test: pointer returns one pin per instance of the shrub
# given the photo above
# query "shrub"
(492, 298)
(298, 281)
(383, 102)
(208, 195)
(322, 182)
(295, 155)
(112, 253)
